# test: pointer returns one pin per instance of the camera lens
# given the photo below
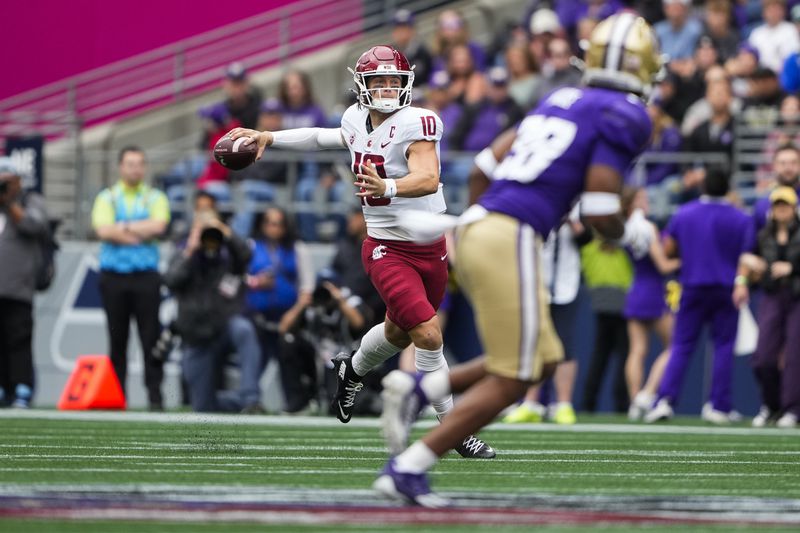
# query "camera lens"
(211, 234)
(321, 296)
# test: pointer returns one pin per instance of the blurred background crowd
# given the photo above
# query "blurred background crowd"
(726, 59)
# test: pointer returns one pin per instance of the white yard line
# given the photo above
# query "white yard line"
(194, 468)
(649, 459)
(250, 470)
(261, 493)
(317, 422)
(166, 445)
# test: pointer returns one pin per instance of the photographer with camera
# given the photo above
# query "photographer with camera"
(207, 279)
(320, 325)
(23, 221)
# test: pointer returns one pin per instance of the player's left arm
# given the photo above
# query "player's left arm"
(623, 129)
(600, 204)
(422, 178)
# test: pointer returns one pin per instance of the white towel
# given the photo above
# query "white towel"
(746, 333)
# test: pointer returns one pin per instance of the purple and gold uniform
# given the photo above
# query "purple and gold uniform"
(533, 189)
(543, 175)
(711, 235)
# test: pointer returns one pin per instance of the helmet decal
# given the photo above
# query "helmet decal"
(616, 47)
(623, 54)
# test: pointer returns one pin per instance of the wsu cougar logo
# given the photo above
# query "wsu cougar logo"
(378, 252)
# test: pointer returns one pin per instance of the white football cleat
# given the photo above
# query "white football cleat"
(709, 414)
(763, 417)
(640, 405)
(788, 420)
(661, 411)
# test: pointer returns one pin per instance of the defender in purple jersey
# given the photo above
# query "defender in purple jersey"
(577, 144)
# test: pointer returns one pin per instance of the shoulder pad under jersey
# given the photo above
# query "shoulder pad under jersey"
(623, 122)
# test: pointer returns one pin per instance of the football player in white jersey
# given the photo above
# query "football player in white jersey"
(394, 150)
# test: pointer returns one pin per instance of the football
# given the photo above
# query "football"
(235, 155)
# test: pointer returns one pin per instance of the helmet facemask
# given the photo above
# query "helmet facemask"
(371, 99)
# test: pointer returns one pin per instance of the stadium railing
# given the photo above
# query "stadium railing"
(455, 185)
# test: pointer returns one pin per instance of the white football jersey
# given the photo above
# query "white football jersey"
(386, 146)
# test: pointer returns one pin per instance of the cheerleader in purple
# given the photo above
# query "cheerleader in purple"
(646, 310)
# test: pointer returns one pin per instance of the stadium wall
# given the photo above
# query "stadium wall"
(61, 39)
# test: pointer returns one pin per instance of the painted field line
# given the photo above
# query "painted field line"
(499, 459)
(410, 517)
(249, 471)
(338, 472)
(337, 507)
(209, 492)
(371, 449)
(229, 469)
(234, 492)
(317, 422)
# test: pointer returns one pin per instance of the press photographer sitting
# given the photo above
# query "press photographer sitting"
(316, 328)
(206, 277)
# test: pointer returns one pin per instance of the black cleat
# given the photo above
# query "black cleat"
(475, 448)
(348, 384)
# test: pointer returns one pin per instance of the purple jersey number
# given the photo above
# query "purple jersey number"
(540, 141)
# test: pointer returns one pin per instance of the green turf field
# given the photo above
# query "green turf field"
(230, 465)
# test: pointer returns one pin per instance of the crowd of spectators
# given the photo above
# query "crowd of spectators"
(726, 59)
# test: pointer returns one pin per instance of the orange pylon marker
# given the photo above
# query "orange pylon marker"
(93, 384)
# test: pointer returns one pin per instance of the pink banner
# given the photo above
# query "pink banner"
(49, 40)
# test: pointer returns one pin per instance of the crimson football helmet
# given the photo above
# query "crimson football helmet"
(383, 60)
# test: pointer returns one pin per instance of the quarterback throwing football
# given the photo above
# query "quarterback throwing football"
(394, 150)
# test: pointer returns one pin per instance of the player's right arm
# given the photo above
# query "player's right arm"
(300, 139)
